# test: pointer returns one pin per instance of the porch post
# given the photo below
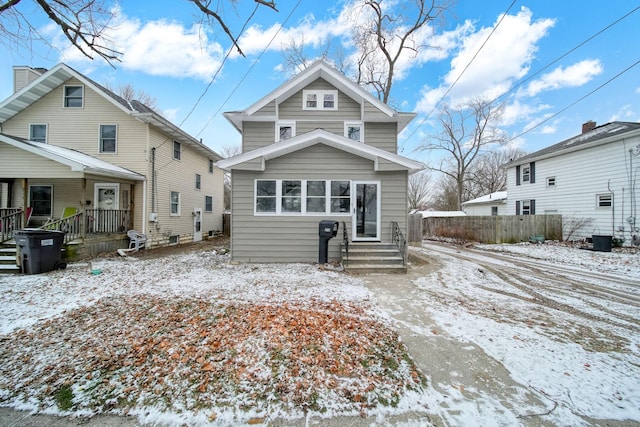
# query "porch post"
(25, 200)
(83, 209)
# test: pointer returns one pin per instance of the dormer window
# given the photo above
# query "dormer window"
(73, 96)
(285, 130)
(319, 99)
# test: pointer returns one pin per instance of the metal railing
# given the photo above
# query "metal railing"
(345, 242)
(398, 238)
(11, 219)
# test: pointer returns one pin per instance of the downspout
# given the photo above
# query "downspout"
(144, 206)
(613, 209)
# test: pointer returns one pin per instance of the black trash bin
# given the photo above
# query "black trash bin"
(602, 243)
(326, 231)
(39, 250)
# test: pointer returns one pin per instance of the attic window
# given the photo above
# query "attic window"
(73, 96)
(285, 130)
(319, 99)
(38, 133)
(353, 131)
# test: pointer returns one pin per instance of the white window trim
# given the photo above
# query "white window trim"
(285, 123)
(320, 99)
(522, 207)
(52, 197)
(64, 95)
(600, 197)
(359, 124)
(303, 198)
(173, 150)
(551, 179)
(46, 131)
(526, 171)
(179, 203)
(115, 151)
(205, 203)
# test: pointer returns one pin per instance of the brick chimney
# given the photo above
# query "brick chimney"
(587, 126)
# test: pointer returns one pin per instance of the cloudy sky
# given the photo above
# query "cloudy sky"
(555, 64)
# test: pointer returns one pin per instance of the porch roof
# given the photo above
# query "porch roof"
(75, 160)
(318, 136)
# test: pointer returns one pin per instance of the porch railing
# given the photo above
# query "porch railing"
(92, 221)
(107, 221)
(345, 242)
(398, 238)
(11, 219)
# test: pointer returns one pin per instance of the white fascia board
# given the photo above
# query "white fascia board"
(320, 136)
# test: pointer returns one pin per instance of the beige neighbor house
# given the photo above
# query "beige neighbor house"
(77, 157)
(317, 148)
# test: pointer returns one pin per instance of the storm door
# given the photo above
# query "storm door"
(366, 220)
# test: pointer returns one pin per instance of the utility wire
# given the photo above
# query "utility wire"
(575, 102)
(461, 73)
(250, 69)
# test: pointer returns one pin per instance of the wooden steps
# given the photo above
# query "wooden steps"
(8, 259)
(373, 257)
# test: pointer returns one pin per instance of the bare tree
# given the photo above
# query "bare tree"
(226, 152)
(488, 175)
(445, 196)
(386, 37)
(129, 93)
(380, 38)
(419, 190)
(467, 131)
(86, 23)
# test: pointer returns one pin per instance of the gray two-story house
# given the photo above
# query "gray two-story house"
(319, 147)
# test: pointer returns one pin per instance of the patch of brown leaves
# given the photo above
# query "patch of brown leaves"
(192, 355)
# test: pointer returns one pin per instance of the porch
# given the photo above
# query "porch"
(87, 233)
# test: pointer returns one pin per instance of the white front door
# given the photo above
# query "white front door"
(107, 196)
(197, 224)
(366, 205)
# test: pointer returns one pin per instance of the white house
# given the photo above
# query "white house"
(489, 204)
(590, 179)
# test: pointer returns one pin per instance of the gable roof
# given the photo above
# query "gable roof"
(599, 135)
(53, 78)
(497, 197)
(318, 136)
(77, 161)
(320, 69)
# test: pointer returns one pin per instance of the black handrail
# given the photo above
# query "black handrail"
(398, 238)
(345, 242)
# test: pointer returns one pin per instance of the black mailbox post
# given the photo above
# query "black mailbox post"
(326, 230)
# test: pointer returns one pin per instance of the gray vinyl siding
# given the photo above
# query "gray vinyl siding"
(381, 135)
(257, 135)
(295, 238)
(336, 127)
(267, 110)
(372, 113)
(291, 109)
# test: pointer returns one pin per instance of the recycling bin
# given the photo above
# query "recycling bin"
(39, 250)
(326, 231)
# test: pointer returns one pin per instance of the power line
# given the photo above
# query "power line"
(462, 73)
(575, 102)
(250, 69)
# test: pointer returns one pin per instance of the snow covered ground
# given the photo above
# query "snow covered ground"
(563, 322)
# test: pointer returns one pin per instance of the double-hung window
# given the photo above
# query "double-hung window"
(41, 199)
(38, 133)
(319, 99)
(73, 96)
(108, 134)
(198, 181)
(302, 197)
(208, 203)
(175, 203)
(177, 150)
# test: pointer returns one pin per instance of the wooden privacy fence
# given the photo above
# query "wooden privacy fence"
(495, 229)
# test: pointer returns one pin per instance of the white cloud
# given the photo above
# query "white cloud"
(626, 113)
(504, 58)
(571, 76)
(159, 48)
(517, 111)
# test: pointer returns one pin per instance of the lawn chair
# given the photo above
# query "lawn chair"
(60, 224)
(137, 240)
